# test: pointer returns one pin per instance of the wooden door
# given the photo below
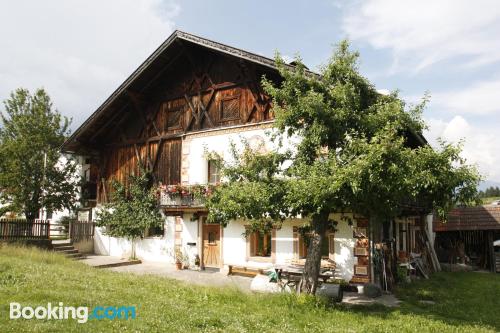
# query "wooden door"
(211, 245)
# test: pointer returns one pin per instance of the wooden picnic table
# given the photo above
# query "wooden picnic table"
(294, 272)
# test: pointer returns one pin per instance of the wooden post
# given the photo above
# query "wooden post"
(200, 241)
(221, 250)
(371, 269)
(491, 252)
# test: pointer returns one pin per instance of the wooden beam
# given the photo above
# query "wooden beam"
(164, 68)
(139, 159)
(204, 112)
(154, 114)
(249, 78)
(104, 190)
(118, 113)
(491, 251)
(250, 114)
(136, 103)
(158, 152)
(194, 112)
(192, 62)
(141, 141)
(106, 124)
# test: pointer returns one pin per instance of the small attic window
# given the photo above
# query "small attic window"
(230, 108)
(173, 112)
(174, 117)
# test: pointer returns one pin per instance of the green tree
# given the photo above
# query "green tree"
(357, 152)
(132, 209)
(32, 173)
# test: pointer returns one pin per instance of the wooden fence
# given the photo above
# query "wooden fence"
(24, 229)
(81, 230)
(21, 229)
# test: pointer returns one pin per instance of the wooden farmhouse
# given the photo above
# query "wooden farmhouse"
(194, 95)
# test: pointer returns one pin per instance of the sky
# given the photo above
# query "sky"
(80, 51)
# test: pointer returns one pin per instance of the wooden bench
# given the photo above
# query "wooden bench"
(245, 269)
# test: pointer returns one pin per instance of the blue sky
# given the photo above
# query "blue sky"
(80, 51)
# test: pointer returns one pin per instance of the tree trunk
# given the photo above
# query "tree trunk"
(30, 218)
(309, 281)
(31, 215)
(132, 255)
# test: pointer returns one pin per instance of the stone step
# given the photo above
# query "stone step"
(63, 248)
(67, 251)
(62, 243)
(56, 242)
(73, 255)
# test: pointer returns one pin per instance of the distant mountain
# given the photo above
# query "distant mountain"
(488, 183)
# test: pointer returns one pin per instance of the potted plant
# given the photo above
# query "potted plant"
(185, 261)
(197, 261)
(179, 257)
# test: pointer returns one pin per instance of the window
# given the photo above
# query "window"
(260, 244)
(173, 111)
(158, 231)
(230, 108)
(49, 215)
(211, 238)
(213, 172)
(174, 117)
(327, 245)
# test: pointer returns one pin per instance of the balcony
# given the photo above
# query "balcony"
(181, 196)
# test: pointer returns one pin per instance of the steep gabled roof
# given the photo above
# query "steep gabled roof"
(161, 57)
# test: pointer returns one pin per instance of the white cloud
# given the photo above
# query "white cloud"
(384, 91)
(423, 32)
(480, 142)
(482, 98)
(79, 51)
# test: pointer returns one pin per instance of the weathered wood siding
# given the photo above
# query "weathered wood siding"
(202, 90)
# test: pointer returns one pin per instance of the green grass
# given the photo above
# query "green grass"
(465, 302)
(489, 200)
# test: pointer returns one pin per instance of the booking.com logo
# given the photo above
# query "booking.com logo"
(81, 313)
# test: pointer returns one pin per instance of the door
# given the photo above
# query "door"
(211, 245)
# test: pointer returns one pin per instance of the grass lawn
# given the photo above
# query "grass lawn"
(489, 200)
(465, 302)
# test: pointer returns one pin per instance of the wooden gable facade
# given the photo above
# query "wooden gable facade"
(188, 85)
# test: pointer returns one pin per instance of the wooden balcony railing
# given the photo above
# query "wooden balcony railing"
(184, 195)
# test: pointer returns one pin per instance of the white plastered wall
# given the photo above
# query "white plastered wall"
(152, 248)
(235, 247)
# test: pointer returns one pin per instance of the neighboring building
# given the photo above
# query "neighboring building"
(192, 95)
(469, 235)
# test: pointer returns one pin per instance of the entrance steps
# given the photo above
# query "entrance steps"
(66, 248)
